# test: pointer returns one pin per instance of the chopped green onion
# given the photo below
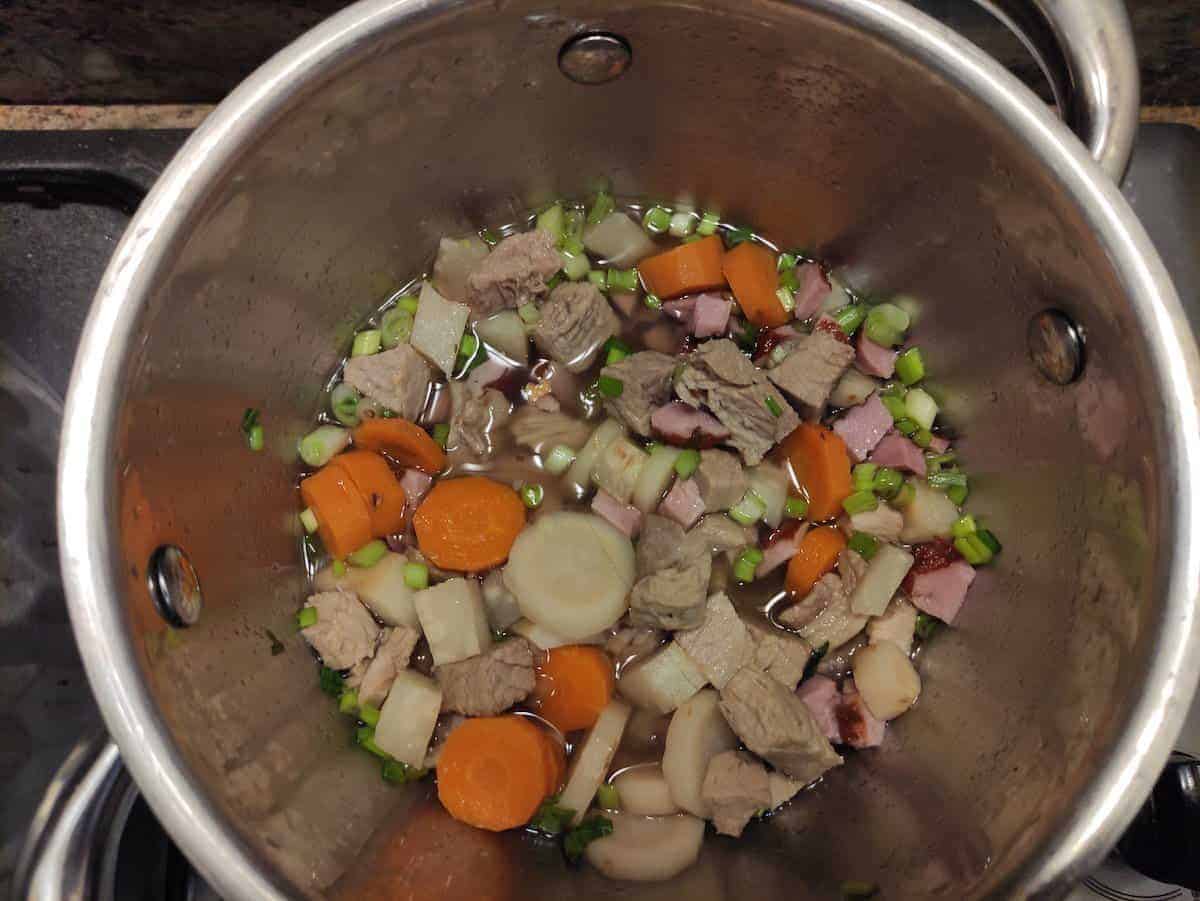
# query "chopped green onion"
(886, 324)
(910, 366)
(747, 563)
(572, 244)
(339, 568)
(256, 439)
(532, 494)
(560, 459)
(773, 406)
(687, 462)
(400, 773)
(749, 510)
(653, 302)
(599, 278)
(441, 434)
(573, 223)
(608, 797)
(937, 461)
(736, 236)
(682, 224)
(369, 714)
(926, 626)
(973, 550)
(864, 476)
(788, 279)
(252, 429)
(787, 299)
(366, 343)
(904, 496)
(583, 835)
(958, 494)
(529, 313)
(615, 350)
(747, 338)
(860, 502)
(989, 540)
(865, 545)
(946, 479)
(369, 554)
(320, 445)
(408, 302)
(343, 401)
(601, 207)
(888, 481)
(779, 353)
(416, 576)
(657, 220)
(922, 437)
(610, 386)
(853, 889)
(467, 346)
(708, 223)
(364, 737)
(306, 617)
(550, 817)
(489, 237)
(308, 519)
(552, 220)
(795, 507)
(894, 405)
(622, 280)
(331, 681)
(922, 408)
(348, 703)
(850, 317)
(395, 328)
(906, 426)
(575, 265)
(786, 262)
(964, 526)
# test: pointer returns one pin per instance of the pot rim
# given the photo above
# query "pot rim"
(93, 589)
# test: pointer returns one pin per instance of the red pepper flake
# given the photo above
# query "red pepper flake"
(830, 326)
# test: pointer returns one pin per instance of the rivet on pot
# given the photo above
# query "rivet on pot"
(1056, 346)
(174, 586)
(595, 57)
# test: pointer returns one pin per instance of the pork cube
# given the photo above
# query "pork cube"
(454, 620)
(391, 658)
(864, 426)
(576, 321)
(672, 598)
(941, 592)
(811, 370)
(344, 632)
(646, 385)
(720, 480)
(820, 695)
(736, 788)
(516, 272)
(489, 683)
(781, 655)
(721, 645)
(397, 379)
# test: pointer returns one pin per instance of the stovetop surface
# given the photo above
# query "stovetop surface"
(65, 198)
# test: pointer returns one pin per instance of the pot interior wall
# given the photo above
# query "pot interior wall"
(783, 118)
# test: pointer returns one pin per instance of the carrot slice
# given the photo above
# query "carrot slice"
(493, 772)
(343, 520)
(817, 555)
(820, 468)
(753, 276)
(468, 524)
(573, 684)
(378, 486)
(556, 762)
(405, 442)
(685, 269)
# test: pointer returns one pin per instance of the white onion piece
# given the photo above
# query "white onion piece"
(589, 764)
(647, 849)
(644, 791)
(770, 485)
(618, 239)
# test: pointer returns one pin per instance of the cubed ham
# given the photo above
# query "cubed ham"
(863, 426)
(780, 546)
(627, 519)
(683, 503)
(814, 288)
(681, 424)
(415, 484)
(711, 316)
(858, 726)
(939, 445)
(874, 359)
(898, 452)
(820, 696)
(941, 592)
(682, 310)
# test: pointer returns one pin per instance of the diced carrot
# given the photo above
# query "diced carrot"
(405, 442)
(820, 468)
(685, 269)
(556, 767)
(493, 772)
(753, 276)
(378, 486)
(574, 683)
(468, 524)
(343, 520)
(817, 555)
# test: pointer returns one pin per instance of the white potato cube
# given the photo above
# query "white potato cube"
(662, 681)
(408, 718)
(454, 620)
(438, 328)
(381, 587)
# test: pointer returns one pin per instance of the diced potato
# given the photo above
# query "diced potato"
(618, 468)
(886, 679)
(663, 681)
(454, 620)
(381, 587)
(647, 849)
(579, 476)
(852, 389)
(438, 328)
(930, 514)
(456, 259)
(896, 625)
(618, 239)
(408, 717)
(589, 764)
(644, 791)
(884, 574)
(506, 333)
(698, 733)
(655, 478)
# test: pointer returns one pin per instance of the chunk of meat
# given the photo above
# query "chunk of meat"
(488, 683)
(720, 480)
(820, 695)
(684, 426)
(391, 658)
(622, 516)
(780, 546)
(941, 592)
(683, 503)
(344, 632)
(824, 615)
(781, 655)
(811, 370)
(859, 728)
(884, 522)
(718, 376)
(456, 259)
(514, 273)
(874, 359)
(672, 598)
(783, 788)
(814, 288)
(661, 545)
(736, 789)
(721, 645)
(896, 625)
(576, 320)
(477, 419)
(711, 316)
(717, 532)
(397, 379)
(541, 430)
(646, 380)
(630, 641)
(898, 452)
(863, 427)
(776, 725)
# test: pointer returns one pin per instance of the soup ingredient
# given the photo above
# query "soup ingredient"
(576, 321)
(897, 625)
(397, 379)
(698, 733)
(571, 573)
(683, 503)
(884, 523)
(644, 791)
(769, 483)
(381, 587)
(488, 683)
(941, 592)
(852, 389)
(516, 272)
(735, 789)
(545, 433)
(391, 658)
(468, 524)
(863, 427)
(320, 445)
(252, 429)
(574, 684)
(857, 725)
(821, 696)
(682, 424)
(833, 622)
(781, 655)
(874, 359)
(456, 259)
(506, 333)
(897, 451)
(408, 717)
(501, 606)
(378, 486)
(673, 576)
(751, 272)
(820, 469)
(343, 633)
(608, 797)
(886, 571)
(929, 515)
(662, 681)
(721, 645)
(589, 763)
(547, 639)
(437, 330)
(886, 679)
(343, 520)
(618, 240)
(656, 475)
(405, 442)
(577, 839)
(643, 849)
(454, 620)
(618, 468)
(645, 379)
(687, 269)
(494, 772)
(816, 555)
(579, 476)
(720, 480)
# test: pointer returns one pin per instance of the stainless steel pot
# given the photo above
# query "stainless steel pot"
(858, 128)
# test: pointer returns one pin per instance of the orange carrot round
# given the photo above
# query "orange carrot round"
(817, 555)
(379, 487)
(574, 683)
(754, 278)
(468, 524)
(493, 772)
(820, 468)
(343, 520)
(405, 442)
(556, 762)
(685, 269)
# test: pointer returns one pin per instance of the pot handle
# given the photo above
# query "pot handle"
(1085, 48)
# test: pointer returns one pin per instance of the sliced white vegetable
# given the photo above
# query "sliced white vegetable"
(618, 239)
(884, 574)
(381, 587)
(836, 624)
(618, 468)
(886, 679)
(589, 764)
(698, 733)
(663, 681)
(506, 333)
(408, 717)
(922, 408)
(438, 328)
(454, 620)
(655, 478)
(456, 259)
(895, 625)
(498, 601)
(929, 515)
(547, 639)
(571, 573)
(769, 483)
(647, 849)
(644, 791)
(579, 476)
(852, 389)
